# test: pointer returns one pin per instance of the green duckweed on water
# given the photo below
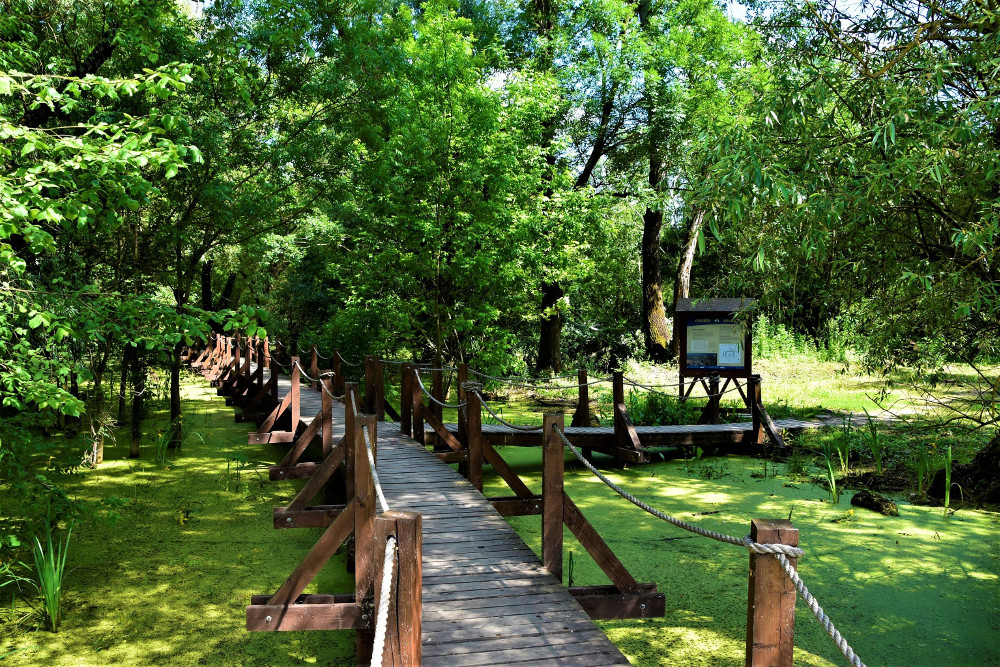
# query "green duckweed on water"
(918, 589)
(169, 581)
(156, 589)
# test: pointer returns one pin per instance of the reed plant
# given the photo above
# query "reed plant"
(873, 439)
(50, 566)
(831, 479)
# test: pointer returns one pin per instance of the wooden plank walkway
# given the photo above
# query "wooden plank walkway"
(487, 599)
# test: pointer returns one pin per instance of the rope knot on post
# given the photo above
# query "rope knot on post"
(473, 386)
(774, 549)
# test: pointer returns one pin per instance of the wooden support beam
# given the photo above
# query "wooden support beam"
(625, 432)
(303, 441)
(417, 403)
(294, 393)
(582, 415)
(553, 459)
(310, 516)
(607, 603)
(338, 375)
(405, 400)
(753, 393)
(444, 436)
(598, 549)
(319, 479)
(305, 616)
(514, 506)
(365, 552)
(318, 555)
(463, 377)
(474, 438)
(402, 640)
(710, 413)
(771, 598)
(506, 472)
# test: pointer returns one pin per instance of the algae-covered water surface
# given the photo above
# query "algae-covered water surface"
(167, 582)
(918, 589)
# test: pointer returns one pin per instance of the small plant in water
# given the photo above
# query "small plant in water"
(831, 479)
(925, 471)
(947, 480)
(873, 439)
(50, 566)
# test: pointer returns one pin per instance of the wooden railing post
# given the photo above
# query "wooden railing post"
(295, 394)
(379, 390)
(463, 377)
(753, 393)
(350, 401)
(582, 415)
(369, 384)
(364, 528)
(437, 391)
(338, 376)
(405, 400)
(417, 402)
(327, 411)
(402, 641)
(474, 438)
(771, 599)
(267, 353)
(314, 367)
(713, 399)
(552, 495)
(618, 398)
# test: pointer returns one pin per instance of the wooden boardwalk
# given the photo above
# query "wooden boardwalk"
(487, 599)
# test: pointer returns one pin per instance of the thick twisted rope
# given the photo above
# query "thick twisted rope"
(345, 361)
(382, 618)
(794, 552)
(781, 551)
(443, 369)
(516, 427)
(516, 379)
(371, 466)
(430, 396)
(514, 382)
(651, 389)
(391, 361)
(818, 612)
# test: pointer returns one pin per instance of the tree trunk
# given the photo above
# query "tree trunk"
(550, 335)
(656, 332)
(127, 357)
(176, 423)
(138, 402)
(206, 286)
(682, 284)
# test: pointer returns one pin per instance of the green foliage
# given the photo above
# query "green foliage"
(658, 409)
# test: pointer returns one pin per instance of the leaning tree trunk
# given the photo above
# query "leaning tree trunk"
(656, 331)
(550, 334)
(682, 284)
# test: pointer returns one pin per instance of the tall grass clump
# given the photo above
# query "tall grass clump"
(873, 439)
(658, 409)
(831, 478)
(50, 566)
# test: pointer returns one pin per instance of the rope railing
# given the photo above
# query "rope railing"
(513, 382)
(382, 617)
(781, 551)
(653, 389)
(516, 427)
(431, 396)
(345, 361)
(371, 459)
